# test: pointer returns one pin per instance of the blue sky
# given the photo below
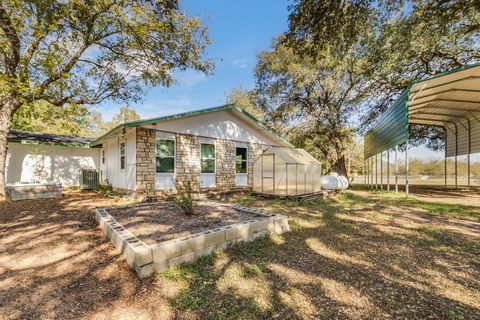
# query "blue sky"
(238, 30)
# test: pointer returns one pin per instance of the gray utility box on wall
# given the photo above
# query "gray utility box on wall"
(89, 179)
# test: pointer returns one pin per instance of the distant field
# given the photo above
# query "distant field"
(474, 181)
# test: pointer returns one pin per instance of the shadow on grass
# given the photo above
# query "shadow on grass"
(336, 268)
(437, 208)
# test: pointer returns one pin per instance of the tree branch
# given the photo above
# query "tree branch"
(67, 68)
(39, 34)
(12, 36)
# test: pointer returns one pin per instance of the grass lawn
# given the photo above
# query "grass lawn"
(357, 255)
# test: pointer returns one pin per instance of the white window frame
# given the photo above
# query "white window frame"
(120, 155)
(214, 157)
(174, 156)
(102, 157)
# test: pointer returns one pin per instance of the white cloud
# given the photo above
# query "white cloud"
(157, 106)
(241, 63)
(163, 106)
(189, 78)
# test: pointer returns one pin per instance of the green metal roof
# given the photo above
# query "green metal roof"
(189, 114)
(450, 98)
(391, 128)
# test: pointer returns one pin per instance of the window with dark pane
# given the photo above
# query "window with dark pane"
(122, 155)
(165, 156)
(241, 160)
(207, 152)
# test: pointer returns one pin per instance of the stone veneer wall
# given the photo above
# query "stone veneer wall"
(188, 160)
(225, 164)
(145, 162)
(187, 164)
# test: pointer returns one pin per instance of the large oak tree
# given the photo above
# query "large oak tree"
(85, 52)
(413, 39)
(313, 100)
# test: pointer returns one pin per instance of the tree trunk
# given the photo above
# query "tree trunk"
(8, 105)
(340, 167)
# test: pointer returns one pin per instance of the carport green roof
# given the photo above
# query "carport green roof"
(449, 99)
(189, 114)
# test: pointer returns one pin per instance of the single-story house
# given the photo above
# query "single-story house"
(42, 158)
(212, 148)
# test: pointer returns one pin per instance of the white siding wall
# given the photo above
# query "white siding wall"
(29, 163)
(123, 179)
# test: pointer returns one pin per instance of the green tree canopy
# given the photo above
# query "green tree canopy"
(313, 99)
(71, 119)
(85, 52)
(246, 99)
(125, 114)
(402, 41)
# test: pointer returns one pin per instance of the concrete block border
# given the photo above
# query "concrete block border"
(147, 259)
(32, 191)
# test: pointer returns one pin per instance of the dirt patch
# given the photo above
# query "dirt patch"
(356, 255)
(163, 221)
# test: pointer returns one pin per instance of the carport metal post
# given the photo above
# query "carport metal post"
(376, 171)
(456, 158)
(373, 172)
(365, 182)
(381, 170)
(365, 172)
(370, 171)
(406, 169)
(468, 155)
(396, 169)
(445, 164)
(388, 170)
(369, 163)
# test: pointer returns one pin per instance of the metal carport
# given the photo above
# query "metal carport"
(450, 100)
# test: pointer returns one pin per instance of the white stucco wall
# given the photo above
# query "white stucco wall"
(31, 163)
(225, 124)
(124, 179)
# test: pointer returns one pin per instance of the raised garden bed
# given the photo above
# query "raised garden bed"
(32, 191)
(154, 237)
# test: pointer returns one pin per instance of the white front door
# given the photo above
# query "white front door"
(165, 162)
(207, 165)
(241, 166)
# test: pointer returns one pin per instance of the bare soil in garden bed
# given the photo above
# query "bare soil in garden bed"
(162, 221)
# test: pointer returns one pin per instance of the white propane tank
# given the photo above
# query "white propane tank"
(344, 182)
(334, 182)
